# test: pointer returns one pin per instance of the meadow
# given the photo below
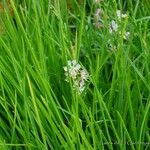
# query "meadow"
(74, 75)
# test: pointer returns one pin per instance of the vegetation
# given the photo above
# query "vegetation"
(39, 42)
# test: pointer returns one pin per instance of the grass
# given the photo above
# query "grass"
(40, 110)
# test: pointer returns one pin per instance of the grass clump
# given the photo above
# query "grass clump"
(104, 105)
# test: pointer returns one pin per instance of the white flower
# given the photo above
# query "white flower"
(120, 14)
(73, 62)
(77, 67)
(69, 63)
(124, 15)
(81, 86)
(84, 74)
(65, 68)
(126, 36)
(73, 73)
(72, 69)
(78, 75)
(98, 13)
(113, 27)
(98, 18)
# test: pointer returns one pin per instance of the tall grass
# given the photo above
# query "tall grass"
(40, 110)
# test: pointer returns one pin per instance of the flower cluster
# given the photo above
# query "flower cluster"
(98, 18)
(113, 27)
(78, 75)
(120, 14)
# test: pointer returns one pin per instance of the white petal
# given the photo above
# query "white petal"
(126, 36)
(69, 63)
(84, 74)
(74, 62)
(65, 68)
(114, 25)
(119, 14)
(124, 15)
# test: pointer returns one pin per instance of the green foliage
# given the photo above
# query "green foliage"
(39, 110)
